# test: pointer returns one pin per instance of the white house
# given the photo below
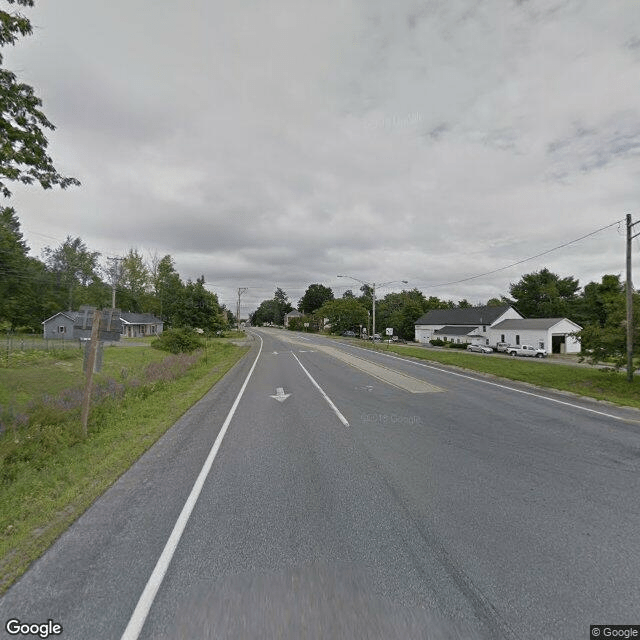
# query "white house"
(551, 334)
(462, 325)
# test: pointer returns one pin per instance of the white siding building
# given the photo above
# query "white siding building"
(476, 320)
(551, 334)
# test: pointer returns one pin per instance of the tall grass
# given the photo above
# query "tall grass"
(50, 473)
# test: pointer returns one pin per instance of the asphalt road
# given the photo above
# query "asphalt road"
(357, 495)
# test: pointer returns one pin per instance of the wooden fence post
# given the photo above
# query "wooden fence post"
(91, 360)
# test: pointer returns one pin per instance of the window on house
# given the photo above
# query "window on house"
(517, 340)
(502, 337)
(540, 344)
(484, 328)
(62, 329)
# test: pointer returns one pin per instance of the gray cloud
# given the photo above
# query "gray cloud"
(288, 143)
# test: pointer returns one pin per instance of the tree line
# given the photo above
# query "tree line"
(598, 307)
(71, 275)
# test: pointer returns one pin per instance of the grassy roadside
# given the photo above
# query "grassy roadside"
(601, 384)
(49, 474)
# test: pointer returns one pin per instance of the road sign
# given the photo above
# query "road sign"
(389, 331)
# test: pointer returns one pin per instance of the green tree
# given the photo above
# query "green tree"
(133, 283)
(75, 268)
(168, 289)
(21, 302)
(22, 123)
(267, 312)
(600, 300)
(543, 294)
(282, 305)
(199, 308)
(602, 310)
(401, 310)
(314, 297)
(344, 314)
(497, 302)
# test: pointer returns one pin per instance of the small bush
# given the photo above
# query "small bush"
(457, 345)
(436, 342)
(178, 341)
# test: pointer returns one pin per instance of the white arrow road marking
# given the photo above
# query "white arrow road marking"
(275, 353)
(281, 396)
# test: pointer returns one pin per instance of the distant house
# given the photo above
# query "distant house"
(292, 314)
(136, 325)
(469, 324)
(60, 326)
(490, 325)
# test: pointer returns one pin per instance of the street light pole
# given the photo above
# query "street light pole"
(373, 295)
(241, 290)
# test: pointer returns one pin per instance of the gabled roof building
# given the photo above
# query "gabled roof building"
(490, 325)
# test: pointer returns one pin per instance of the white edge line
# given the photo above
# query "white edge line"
(140, 613)
(324, 395)
(504, 386)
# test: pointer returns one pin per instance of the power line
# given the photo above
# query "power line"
(514, 264)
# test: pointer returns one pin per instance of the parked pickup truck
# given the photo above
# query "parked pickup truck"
(526, 350)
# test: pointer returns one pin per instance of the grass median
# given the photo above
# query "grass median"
(49, 473)
(602, 384)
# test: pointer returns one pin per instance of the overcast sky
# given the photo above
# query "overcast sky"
(281, 143)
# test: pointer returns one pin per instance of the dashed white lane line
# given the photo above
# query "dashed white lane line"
(324, 395)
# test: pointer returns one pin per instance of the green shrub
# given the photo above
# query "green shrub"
(178, 341)
(457, 345)
(436, 342)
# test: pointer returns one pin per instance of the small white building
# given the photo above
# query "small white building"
(551, 334)
(476, 320)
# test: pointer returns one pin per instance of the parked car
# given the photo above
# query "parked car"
(527, 350)
(349, 334)
(503, 347)
(480, 348)
(375, 337)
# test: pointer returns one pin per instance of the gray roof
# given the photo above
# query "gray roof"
(471, 315)
(293, 314)
(139, 318)
(457, 330)
(71, 315)
(531, 323)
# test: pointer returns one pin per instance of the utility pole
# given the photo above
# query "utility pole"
(114, 279)
(91, 362)
(241, 290)
(630, 237)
